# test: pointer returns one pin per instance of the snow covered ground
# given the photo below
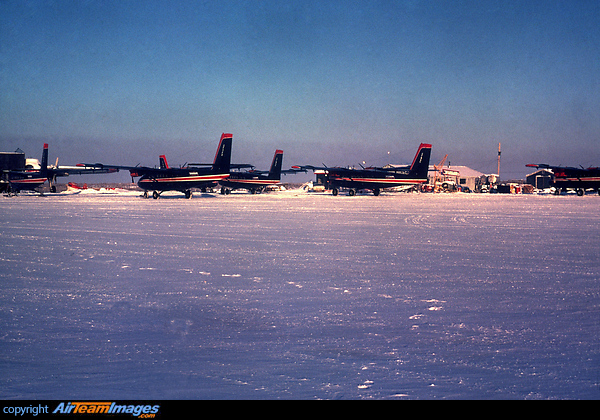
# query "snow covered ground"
(295, 295)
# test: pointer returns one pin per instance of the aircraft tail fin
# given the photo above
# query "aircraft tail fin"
(223, 155)
(420, 165)
(44, 164)
(275, 170)
(163, 162)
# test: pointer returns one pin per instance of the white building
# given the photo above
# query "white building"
(462, 176)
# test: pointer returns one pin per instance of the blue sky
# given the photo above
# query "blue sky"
(334, 82)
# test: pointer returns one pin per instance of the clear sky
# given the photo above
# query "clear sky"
(334, 82)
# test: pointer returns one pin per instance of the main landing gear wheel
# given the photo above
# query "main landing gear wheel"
(188, 194)
(351, 193)
(334, 191)
(155, 195)
(376, 191)
(145, 194)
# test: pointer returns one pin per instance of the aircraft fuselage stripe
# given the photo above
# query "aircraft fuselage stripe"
(583, 179)
(28, 181)
(382, 180)
(207, 178)
(253, 181)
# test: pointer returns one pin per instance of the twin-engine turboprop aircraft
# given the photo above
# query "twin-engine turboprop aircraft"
(165, 178)
(375, 179)
(31, 179)
(568, 178)
(256, 181)
(194, 175)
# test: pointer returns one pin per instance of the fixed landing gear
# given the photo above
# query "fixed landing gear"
(579, 191)
(335, 191)
(352, 191)
(155, 194)
(225, 191)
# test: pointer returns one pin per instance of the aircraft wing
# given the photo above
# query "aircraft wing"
(293, 170)
(80, 170)
(133, 170)
(388, 168)
(539, 166)
(72, 170)
(551, 167)
(231, 165)
(240, 166)
(304, 168)
(256, 172)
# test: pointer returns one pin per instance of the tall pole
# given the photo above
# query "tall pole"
(499, 153)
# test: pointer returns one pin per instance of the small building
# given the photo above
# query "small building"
(321, 178)
(461, 176)
(10, 161)
(540, 179)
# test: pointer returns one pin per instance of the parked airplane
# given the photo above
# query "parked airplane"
(374, 178)
(32, 178)
(578, 179)
(185, 178)
(256, 181)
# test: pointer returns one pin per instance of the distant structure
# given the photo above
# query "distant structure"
(455, 177)
(499, 153)
(540, 179)
(10, 161)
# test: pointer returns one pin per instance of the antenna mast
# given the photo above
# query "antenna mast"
(499, 153)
